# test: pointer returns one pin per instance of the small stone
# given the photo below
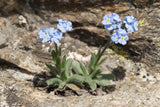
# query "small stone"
(137, 74)
(144, 76)
(22, 20)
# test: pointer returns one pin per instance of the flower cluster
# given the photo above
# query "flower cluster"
(113, 22)
(54, 35)
(64, 25)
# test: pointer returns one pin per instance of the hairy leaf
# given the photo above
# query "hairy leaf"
(63, 62)
(77, 68)
(72, 86)
(105, 76)
(95, 73)
(56, 49)
(52, 69)
(101, 62)
(67, 67)
(53, 81)
(54, 56)
(92, 84)
(59, 53)
(62, 85)
(75, 79)
(83, 69)
(98, 55)
(58, 62)
(63, 75)
(103, 82)
(92, 62)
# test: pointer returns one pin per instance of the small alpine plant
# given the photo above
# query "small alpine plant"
(83, 77)
(69, 73)
(62, 66)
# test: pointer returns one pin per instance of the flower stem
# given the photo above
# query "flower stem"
(103, 50)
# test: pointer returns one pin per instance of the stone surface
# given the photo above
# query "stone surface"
(130, 91)
(21, 46)
(136, 65)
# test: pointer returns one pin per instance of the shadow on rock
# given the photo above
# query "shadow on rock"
(119, 73)
(91, 38)
(4, 64)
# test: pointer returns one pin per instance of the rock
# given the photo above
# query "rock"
(20, 49)
(22, 20)
(1, 22)
(7, 6)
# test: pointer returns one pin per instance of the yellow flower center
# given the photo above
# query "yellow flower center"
(47, 36)
(108, 20)
(122, 38)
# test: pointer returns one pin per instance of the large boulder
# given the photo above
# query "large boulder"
(20, 46)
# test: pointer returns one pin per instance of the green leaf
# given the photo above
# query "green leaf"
(76, 67)
(52, 69)
(103, 82)
(67, 67)
(90, 82)
(105, 76)
(95, 73)
(54, 56)
(63, 75)
(58, 63)
(92, 85)
(56, 49)
(75, 79)
(62, 85)
(98, 54)
(101, 62)
(63, 62)
(92, 62)
(99, 51)
(73, 86)
(53, 81)
(83, 69)
(59, 51)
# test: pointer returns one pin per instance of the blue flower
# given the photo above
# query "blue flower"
(49, 35)
(44, 35)
(131, 23)
(108, 27)
(107, 19)
(123, 36)
(116, 18)
(120, 37)
(56, 36)
(114, 38)
(64, 26)
(111, 21)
